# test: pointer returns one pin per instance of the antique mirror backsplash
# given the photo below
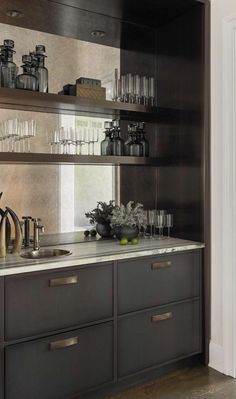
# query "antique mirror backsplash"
(58, 194)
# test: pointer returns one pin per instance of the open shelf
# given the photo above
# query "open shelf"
(67, 159)
(60, 104)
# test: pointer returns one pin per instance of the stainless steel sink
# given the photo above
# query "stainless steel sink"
(45, 253)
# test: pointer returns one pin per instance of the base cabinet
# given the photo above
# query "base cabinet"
(158, 336)
(65, 333)
(60, 366)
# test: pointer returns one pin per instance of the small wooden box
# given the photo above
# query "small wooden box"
(88, 91)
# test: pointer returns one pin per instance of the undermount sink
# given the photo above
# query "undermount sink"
(45, 253)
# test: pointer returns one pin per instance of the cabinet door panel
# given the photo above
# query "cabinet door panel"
(148, 339)
(51, 301)
(154, 281)
(59, 366)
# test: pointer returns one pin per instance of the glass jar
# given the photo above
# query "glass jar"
(128, 141)
(135, 147)
(27, 80)
(117, 142)
(41, 71)
(8, 67)
(142, 139)
(106, 144)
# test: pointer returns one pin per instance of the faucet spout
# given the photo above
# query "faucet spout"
(37, 229)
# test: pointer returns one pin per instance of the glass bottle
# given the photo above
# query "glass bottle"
(117, 142)
(41, 71)
(129, 140)
(27, 80)
(142, 139)
(106, 144)
(135, 147)
(8, 67)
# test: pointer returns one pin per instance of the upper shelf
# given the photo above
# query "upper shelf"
(61, 104)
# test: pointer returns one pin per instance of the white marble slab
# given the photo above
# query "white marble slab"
(95, 252)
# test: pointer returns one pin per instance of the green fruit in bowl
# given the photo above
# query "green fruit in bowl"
(93, 233)
(134, 241)
(123, 241)
(86, 233)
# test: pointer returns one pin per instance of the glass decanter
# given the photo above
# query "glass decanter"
(129, 140)
(106, 144)
(142, 139)
(135, 147)
(41, 71)
(27, 80)
(8, 67)
(117, 142)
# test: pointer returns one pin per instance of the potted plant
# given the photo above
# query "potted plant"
(127, 220)
(101, 218)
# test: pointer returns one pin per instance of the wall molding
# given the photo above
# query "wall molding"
(216, 357)
(229, 197)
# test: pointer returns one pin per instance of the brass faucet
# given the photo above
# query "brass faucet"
(37, 228)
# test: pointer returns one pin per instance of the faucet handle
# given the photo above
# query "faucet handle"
(36, 220)
(27, 217)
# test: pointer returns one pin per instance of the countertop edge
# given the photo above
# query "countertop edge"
(12, 270)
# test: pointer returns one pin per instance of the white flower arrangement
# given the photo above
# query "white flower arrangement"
(130, 215)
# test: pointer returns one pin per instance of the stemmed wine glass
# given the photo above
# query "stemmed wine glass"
(169, 223)
(151, 222)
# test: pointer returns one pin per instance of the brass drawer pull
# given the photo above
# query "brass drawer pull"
(56, 282)
(64, 343)
(161, 317)
(161, 265)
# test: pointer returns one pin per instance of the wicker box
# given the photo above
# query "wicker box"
(88, 91)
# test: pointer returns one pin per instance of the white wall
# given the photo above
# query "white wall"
(220, 9)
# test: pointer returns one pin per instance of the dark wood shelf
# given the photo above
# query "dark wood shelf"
(55, 103)
(67, 159)
(59, 104)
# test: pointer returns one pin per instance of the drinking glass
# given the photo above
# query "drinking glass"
(130, 87)
(160, 224)
(116, 90)
(137, 89)
(12, 127)
(169, 223)
(151, 91)
(123, 89)
(144, 90)
(151, 222)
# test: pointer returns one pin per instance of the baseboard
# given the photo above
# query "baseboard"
(216, 357)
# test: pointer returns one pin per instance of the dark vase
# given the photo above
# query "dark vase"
(126, 232)
(104, 230)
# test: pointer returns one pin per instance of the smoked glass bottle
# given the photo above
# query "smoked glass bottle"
(8, 67)
(27, 80)
(135, 147)
(117, 142)
(106, 144)
(41, 71)
(142, 139)
(129, 140)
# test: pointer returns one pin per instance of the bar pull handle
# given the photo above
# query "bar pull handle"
(161, 317)
(161, 265)
(64, 343)
(57, 282)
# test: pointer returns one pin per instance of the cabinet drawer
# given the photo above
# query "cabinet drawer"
(59, 366)
(154, 337)
(50, 301)
(153, 281)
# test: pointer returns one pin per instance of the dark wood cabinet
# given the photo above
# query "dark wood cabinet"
(141, 314)
(150, 338)
(153, 281)
(60, 366)
(45, 302)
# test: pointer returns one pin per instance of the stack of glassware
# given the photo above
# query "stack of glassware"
(135, 89)
(136, 144)
(35, 74)
(156, 223)
(15, 135)
(71, 140)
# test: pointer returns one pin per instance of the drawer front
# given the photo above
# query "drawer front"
(59, 366)
(154, 337)
(154, 281)
(50, 301)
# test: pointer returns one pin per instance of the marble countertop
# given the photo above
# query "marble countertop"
(95, 252)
